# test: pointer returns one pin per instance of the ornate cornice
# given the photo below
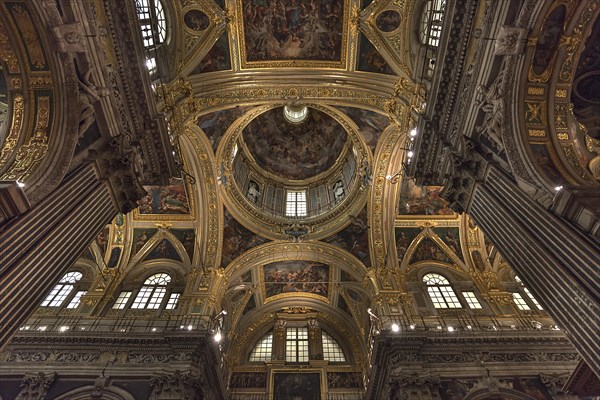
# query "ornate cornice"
(437, 128)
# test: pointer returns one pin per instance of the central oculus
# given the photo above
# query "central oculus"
(294, 151)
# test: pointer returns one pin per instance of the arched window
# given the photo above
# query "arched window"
(153, 25)
(63, 289)
(331, 349)
(431, 22)
(441, 293)
(520, 301)
(297, 349)
(263, 349)
(151, 295)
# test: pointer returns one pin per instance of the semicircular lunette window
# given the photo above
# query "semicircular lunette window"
(332, 351)
(263, 349)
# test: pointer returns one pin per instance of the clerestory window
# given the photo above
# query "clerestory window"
(431, 22)
(63, 289)
(528, 294)
(441, 293)
(156, 293)
(295, 205)
(153, 26)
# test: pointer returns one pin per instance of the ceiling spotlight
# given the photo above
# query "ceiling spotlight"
(412, 326)
(395, 327)
(410, 154)
(413, 132)
(450, 329)
(469, 327)
(558, 188)
(63, 328)
(190, 327)
(217, 337)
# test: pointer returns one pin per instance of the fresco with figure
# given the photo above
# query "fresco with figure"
(369, 59)
(187, 237)
(293, 29)
(543, 158)
(164, 249)
(245, 380)
(294, 385)
(215, 124)
(196, 20)
(451, 237)
(237, 239)
(217, 58)
(370, 124)
(171, 199)
(342, 380)
(294, 151)
(388, 21)
(422, 200)
(404, 237)
(296, 276)
(427, 249)
(141, 237)
(354, 238)
(102, 239)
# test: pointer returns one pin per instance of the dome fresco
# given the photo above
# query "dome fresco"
(294, 151)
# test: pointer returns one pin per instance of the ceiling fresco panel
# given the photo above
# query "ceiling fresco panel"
(354, 238)
(404, 238)
(164, 249)
(451, 237)
(284, 30)
(429, 250)
(171, 199)
(187, 237)
(141, 237)
(422, 200)
(296, 276)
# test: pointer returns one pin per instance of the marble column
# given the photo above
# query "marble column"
(559, 263)
(39, 246)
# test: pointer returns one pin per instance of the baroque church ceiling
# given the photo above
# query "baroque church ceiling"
(317, 99)
(241, 64)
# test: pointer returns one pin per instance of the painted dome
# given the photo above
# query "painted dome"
(294, 150)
